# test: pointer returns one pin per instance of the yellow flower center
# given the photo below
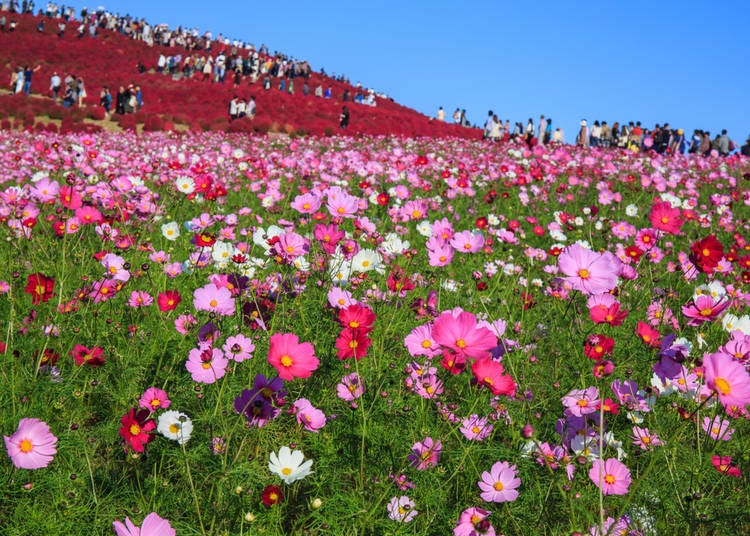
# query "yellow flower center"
(286, 471)
(174, 428)
(286, 361)
(498, 486)
(723, 386)
(206, 365)
(25, 446)
(461, 343)
(213, 303)
(583, 273)
(609, 479)
(135, 429)
(426, 344)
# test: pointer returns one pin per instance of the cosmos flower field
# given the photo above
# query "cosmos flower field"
(222, 334)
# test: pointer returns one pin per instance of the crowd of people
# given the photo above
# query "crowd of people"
(661, 139)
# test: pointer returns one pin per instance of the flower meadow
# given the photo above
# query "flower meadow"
(224, 334)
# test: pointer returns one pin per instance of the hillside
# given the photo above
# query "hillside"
(173, 102)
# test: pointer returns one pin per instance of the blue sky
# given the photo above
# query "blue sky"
(679, 62)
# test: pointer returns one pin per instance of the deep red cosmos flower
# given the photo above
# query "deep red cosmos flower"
(40, 287)
(706, 253)
(271, 495)
(352, 343)
(135, 429)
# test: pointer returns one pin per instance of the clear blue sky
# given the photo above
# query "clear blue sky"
(654, 61)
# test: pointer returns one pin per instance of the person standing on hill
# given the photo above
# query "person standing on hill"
(344, 117)
(28, 72)
(55, 84)
(441, 114)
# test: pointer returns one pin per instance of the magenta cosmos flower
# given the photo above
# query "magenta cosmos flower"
(727, 378)
(350, 387)
(500, 484)
(474, 522)
(611, 476)
(152, 525)
(587, 271)
(291, 358)
(154, 399)
(214, 299)
(425, 454)
(32, 446)
(461, 334)
(206, 366)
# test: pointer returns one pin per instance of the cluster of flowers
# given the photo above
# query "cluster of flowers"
(138, 424)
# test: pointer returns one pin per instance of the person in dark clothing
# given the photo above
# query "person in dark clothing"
(120, 101)
(344, 117)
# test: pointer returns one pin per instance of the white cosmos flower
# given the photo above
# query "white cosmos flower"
(394, 245)
(732, 323)
(185, 184)
(424, 228)
(289, 465)
(171, 230)
(366, 260)
(175, 425)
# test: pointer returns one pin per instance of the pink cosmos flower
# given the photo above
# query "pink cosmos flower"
(238, 347)
(587, 271)
(440, 254)
(474, 522)
(214, 299)
(461, 334)
(611, 476)
(489, 373)
(342, 205)
(580, 402)
(154, 399)
(291, 245)
(184, 323)
(704, 308)
(140, 298)
(420, 342)
(665, 218)
(727, 378)
(340, 298)
(307, 203)
(115, 267)
(309, 416)
(401, 509)
(350, 388)
(717, 428)
(500, 484)
(425, 453)
(645, 439)
(32, 446)
(467, 241)
(291, 358)
(475, 428)
(206, 365)
(152, 525)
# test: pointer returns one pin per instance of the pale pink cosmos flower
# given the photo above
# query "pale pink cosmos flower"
(500, 484)
(717, 428)
(580, 402)
(238, 347)
(475, 428)
(420, 342)
(115, 267)
(32, 446)
(401, 509)
(214, 299)
(140, 298)
(350, 388)
(206, 366)
(309, 416)
(308, 203)
(152, 525)
(645, 439)
(467, 241)
(184, 323)
(587, 271)
(340, 298)
(727, 378)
